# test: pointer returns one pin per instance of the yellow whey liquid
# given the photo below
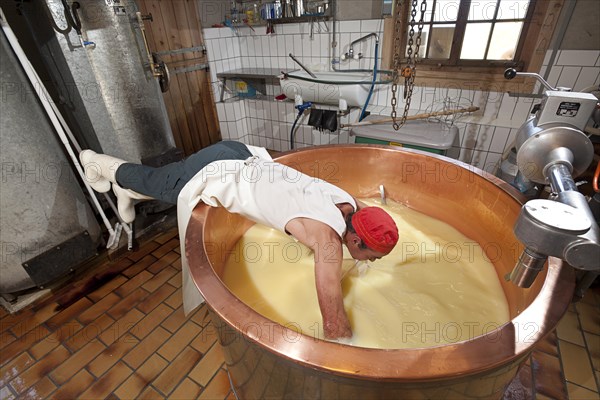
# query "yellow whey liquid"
(436, 287)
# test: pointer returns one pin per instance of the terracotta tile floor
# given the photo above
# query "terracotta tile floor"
(120, 333)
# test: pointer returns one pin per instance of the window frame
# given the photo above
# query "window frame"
(459, 33)
(538, 29)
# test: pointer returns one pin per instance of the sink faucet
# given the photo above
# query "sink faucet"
(552, 149)
(350, 53)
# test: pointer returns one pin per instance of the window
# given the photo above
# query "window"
(476, 40)
(484, 31)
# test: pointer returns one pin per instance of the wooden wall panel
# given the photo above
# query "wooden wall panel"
(189, 100)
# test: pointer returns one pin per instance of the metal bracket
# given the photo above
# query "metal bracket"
(200, 48)
(191, 68)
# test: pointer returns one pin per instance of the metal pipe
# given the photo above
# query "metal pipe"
(566, 191)
(350, 53)
(365, 38)
(527, 268)
(511, 73)
(334, 42)
(560, 178)
(308, 71)
(140, 20)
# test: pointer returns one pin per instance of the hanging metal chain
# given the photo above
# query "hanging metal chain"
(397, 58)
(409, 71)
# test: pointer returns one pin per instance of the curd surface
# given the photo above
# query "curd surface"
(436, 287)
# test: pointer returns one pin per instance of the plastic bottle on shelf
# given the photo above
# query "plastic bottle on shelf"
(256, 13)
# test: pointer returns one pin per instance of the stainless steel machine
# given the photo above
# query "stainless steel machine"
(552, 149)
(93, 59)
(96, 58)
(47, 227)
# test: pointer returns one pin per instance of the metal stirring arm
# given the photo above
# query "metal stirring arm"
(552, 149)
(563, 227)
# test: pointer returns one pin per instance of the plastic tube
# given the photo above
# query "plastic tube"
(301, 108)
(596, 178)
(292, 131)
(364, 110)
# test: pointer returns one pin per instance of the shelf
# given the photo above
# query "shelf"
(251, 73)
(256, 76)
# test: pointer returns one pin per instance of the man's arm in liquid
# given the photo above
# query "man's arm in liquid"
(327, 247)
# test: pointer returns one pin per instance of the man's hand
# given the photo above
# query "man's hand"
(340, 328)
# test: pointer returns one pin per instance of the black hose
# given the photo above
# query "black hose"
(292, 131)
(73, 17)
(53, 21)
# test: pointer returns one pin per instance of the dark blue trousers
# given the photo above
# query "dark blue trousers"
(164, 183)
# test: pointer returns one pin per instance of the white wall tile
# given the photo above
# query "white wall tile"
(582, 58)
(554, 74)
(478, 159)
(371, 25)
(484, 138)
(523, 109)
(210, 33)
(586, 78)
(250, 45)
(492, 162)
(507, 107)
(224, 129)
(466, 155)
(548, 56)
(281, 45)
(306, 52)
(493, 104)
(469, 137)
(290, 29)
(225, 32)
(244, 47)
(349, 26)
(234, 134)
(428, 96)
(499, 140)
(511, 137)
(325, 45)
(568, 77)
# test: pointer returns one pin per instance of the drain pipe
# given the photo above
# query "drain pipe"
(334, 42)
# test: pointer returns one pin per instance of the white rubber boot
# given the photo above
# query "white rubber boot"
(99, 169)
(126, 203)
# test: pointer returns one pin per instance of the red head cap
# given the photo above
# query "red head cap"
(376, 229)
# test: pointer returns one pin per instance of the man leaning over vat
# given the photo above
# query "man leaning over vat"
(245, 180)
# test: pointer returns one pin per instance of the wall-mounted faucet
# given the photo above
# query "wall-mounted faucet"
(350, 53)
